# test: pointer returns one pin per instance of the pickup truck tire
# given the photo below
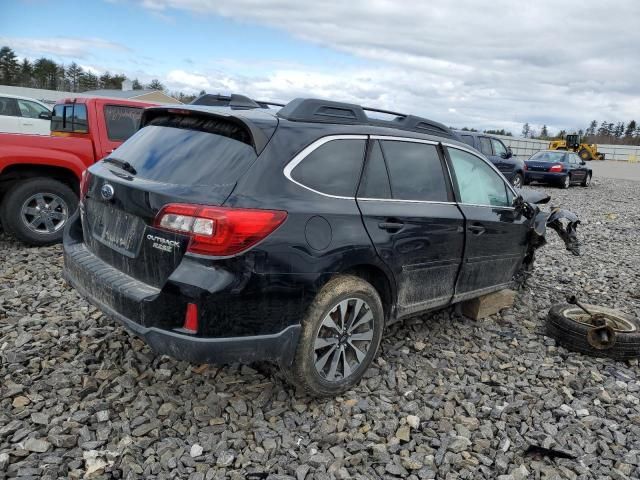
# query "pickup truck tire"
(36, 210)
(345, 308)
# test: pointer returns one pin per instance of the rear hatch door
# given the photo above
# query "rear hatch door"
(177, 157)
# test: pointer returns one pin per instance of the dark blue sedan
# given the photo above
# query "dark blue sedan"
(560, 168)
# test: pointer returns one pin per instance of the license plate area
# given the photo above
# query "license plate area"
(118, 230)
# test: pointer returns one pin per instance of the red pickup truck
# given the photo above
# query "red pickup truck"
(40, 175)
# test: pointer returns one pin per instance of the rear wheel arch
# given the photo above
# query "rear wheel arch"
(380, 280)
(23, 171)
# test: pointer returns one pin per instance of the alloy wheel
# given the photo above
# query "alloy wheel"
(44, 213)
(517, 181)
(343, 339)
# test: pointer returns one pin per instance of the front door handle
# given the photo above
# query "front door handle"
(477, 229)
(391, 226)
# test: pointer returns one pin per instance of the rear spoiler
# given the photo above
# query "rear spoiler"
(258, 138)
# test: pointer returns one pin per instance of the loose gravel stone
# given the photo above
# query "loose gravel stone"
(447, 398)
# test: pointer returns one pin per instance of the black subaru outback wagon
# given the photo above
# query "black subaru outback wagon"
(221, 235)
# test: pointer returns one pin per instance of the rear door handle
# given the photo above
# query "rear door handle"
(391, 226)
(477, 229)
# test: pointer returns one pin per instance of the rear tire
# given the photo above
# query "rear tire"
(517, 181)
(566, 181)
(36, 210)
(586, 181)
(328, 360)
(585, 155)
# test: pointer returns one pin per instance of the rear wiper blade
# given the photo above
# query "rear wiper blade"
(123, 164)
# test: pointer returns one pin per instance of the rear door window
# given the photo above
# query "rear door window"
(478, 183)
(375, 179)
(122, 122)
(333, 168)
(468, 139)
(415, 171)
(485, 146)
(9, 107)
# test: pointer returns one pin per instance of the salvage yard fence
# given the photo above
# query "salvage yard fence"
(525, 147)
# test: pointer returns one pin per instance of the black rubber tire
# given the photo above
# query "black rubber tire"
(517, 176)
(573, 335)
(585, 155)
(586, 181)
(302, 373)
(563, 183)
(13, 200)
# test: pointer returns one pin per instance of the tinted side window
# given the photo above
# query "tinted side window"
(478, 183)
(9, 107)
(468, 139)
(485, 146)
(122, 122)
(415, 171)
(375, 180)
(69, 117)
(332, 168)
(498, 147)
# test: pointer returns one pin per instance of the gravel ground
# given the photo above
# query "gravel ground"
(448, 398)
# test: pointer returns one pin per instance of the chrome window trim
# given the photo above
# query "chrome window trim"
(493, 167)
(367, 199)
(311, 148)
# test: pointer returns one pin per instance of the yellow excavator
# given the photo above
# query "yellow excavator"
(586, 151)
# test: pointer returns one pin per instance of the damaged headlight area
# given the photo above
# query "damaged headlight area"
(563, 221)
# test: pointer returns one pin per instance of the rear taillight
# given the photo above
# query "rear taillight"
(219, 231)
(556, 168)
(85, 179)
(525, 167)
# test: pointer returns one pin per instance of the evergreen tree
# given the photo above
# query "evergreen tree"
(618, 129)
(88, 81)
(9, 67)
(592, 128)
(74, 73)
(136, 85)
(526, 130)
(631, 127)
(544, 133)
(26, 73)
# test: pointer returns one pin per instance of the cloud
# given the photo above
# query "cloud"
(493, 64)
(66, 47)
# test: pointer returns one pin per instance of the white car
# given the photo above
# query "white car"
(24, 115)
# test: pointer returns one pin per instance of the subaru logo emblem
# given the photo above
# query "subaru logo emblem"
(107, 191)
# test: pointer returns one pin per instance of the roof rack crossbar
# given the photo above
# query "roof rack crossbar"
(327, 111)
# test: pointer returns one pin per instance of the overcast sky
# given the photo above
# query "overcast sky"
(493, 64)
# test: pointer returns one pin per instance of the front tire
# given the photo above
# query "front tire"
(340, 337)
(36, 210)
(587, 180)
(585, 155)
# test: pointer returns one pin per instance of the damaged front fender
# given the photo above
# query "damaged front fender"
(564, 223)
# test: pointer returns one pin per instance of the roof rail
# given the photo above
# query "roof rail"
(326, 111)
(234, 101)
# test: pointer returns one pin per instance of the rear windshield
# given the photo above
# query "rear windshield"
(548, 157)
(185, 157)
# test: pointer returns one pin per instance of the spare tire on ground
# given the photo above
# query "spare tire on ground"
(608, 333)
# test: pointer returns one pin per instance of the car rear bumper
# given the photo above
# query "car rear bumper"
(545, 177)
(144, 311)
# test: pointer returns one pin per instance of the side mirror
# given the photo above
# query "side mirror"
(583, 162)
(45, 116)
(509, 153)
